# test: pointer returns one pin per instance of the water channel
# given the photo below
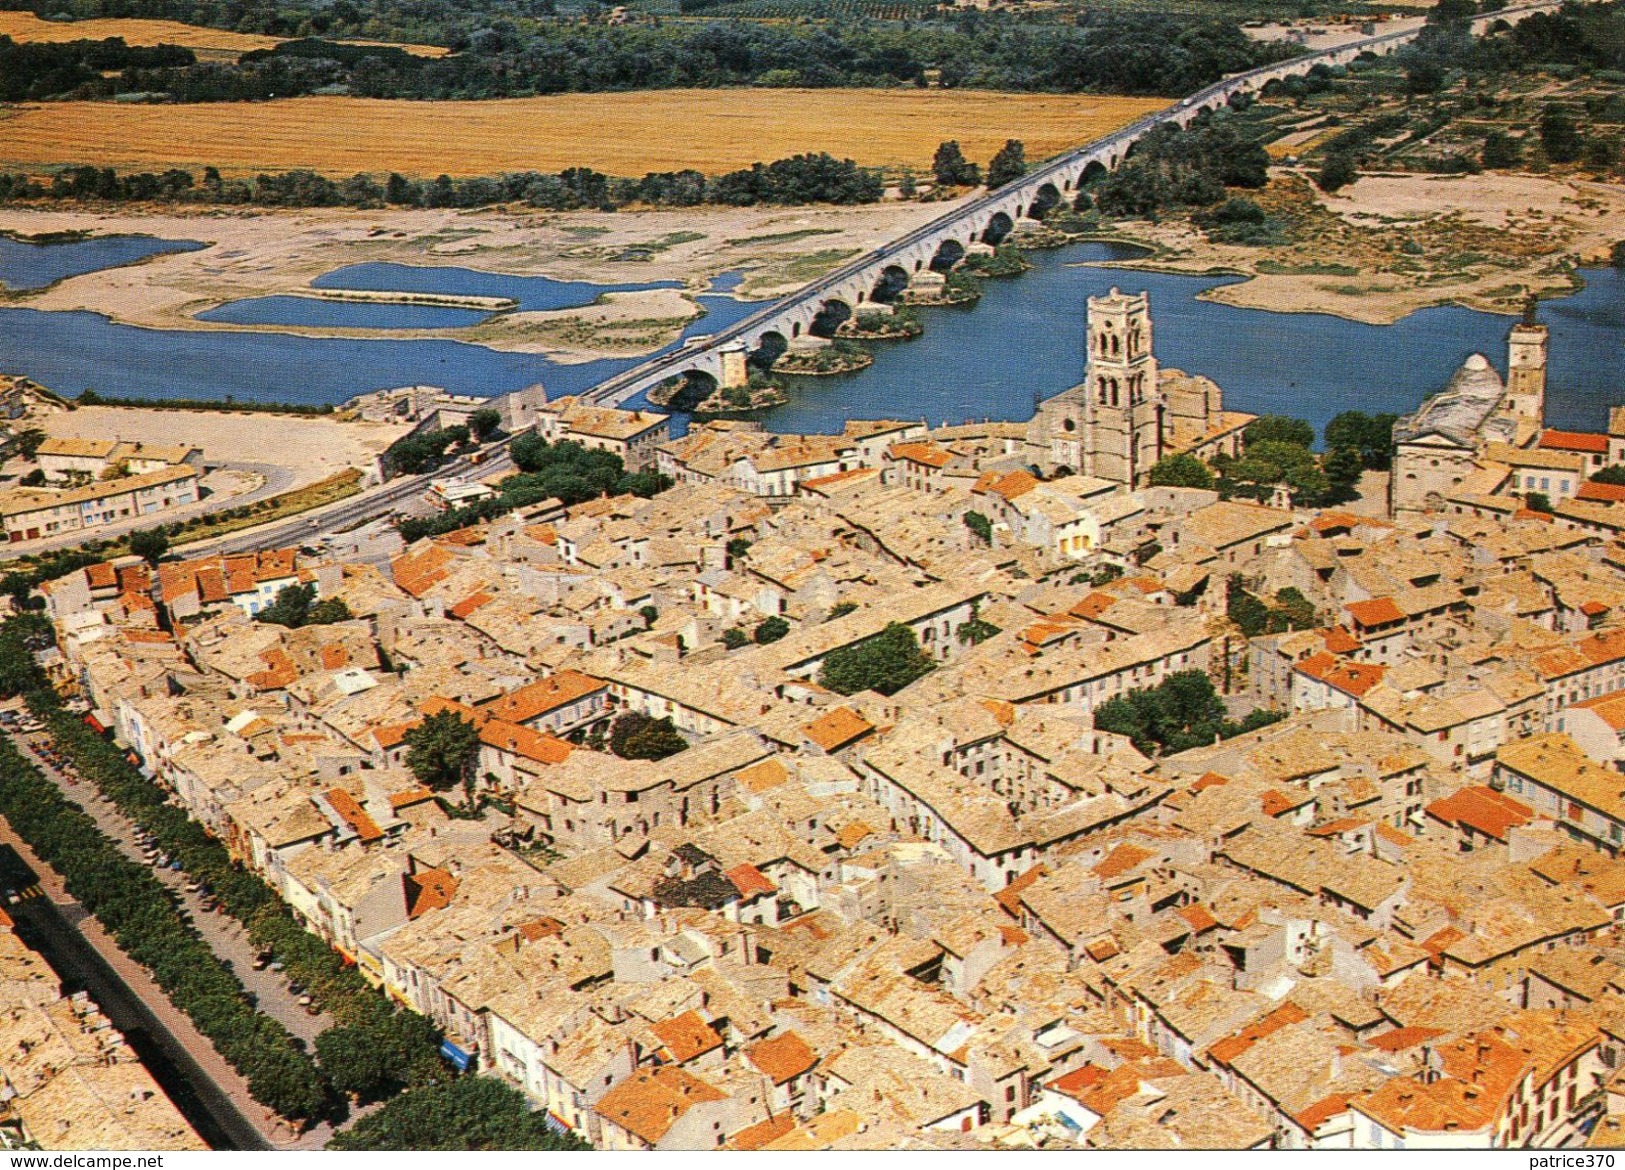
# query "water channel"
(1022, 342)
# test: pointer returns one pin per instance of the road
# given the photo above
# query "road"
(83, 953)
(274, 480)
(374, 502)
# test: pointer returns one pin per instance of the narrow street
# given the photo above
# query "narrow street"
(226, 938)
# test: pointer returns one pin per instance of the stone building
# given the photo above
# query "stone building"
(1128, 413)
(1439, 446)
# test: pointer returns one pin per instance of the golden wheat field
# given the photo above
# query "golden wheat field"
(619, 133)
(25, 26)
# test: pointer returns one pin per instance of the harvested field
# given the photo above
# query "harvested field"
(25, 26)
(618, 133)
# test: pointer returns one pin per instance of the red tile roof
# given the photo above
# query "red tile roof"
(353, 815)
(1554, 440)
(749, 881)
(1482, 809)
(783, 1058)
(1378, 611)
(686, 1036)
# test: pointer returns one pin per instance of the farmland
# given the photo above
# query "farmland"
(25, 26)
(618, 133)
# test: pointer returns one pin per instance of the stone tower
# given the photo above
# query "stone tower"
(1123, 411)
(1526, 371)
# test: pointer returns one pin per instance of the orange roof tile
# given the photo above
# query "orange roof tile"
(545, 695)
(1352, 678)
(1121, 860)
(836, 728)
(470, 603)
(353, 815)
(101, 575)
(1228, 1049)
(783, 1058)
(1400, 1039)
(1197, 917)
(927, 453)
(1553, 440)
(686, 1036)
(1378, 611)
(1604, 493)
(1483, 809)
(749, 881)
(649, 1102)
(429, 889)
(1322, 1111)
(756, 1136)
(523, 741)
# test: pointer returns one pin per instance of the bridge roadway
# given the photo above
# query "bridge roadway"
(991, 214)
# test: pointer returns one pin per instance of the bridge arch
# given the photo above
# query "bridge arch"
(999, 225)
(695, 385)
(949, 253)
(893, 280)
(1044, 201)
(770, 347)
(832, 314)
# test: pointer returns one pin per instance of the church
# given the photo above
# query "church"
(1470, 437)
(1128, 413)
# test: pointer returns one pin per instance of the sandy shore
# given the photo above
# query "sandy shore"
(1389, 245)
(264, 253)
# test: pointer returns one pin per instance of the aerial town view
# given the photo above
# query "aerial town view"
(811, 575)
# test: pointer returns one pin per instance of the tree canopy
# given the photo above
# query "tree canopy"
(440, 751)
(468, 1113)
(1182, 712)
(636, 736)
(887, 663)
(150, 544)
(1181, 470)
(296, 606)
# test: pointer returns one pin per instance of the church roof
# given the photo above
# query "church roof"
(1460, 409)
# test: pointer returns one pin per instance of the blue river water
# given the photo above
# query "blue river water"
(1025, 340)
(25, 266)
(1022, 342)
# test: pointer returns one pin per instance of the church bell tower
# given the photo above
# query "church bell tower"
(1123, 415)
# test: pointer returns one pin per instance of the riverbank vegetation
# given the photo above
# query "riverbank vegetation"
(802, 179)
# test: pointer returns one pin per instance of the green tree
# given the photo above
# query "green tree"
(1280, 428)
(483, 423)
(770, 629)
(1537, 502)
(650, 615)
(950, 169)
(1372, 435)
(1614, 475)
(1337, 171)
(1182, 470)
(1296, 611)
(887, 663)
(440, 751)
(150, 544)
(1250, 615)
(1501, 151)
(468, 1113)
(1008, 165)
(635, 736)
(981, 526)
(1559, 136)
(733, 638)
(291, 607)
(1343, 467)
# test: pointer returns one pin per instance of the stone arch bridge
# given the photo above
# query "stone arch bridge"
(985, 218)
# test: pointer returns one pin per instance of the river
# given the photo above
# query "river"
(1022, 342)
